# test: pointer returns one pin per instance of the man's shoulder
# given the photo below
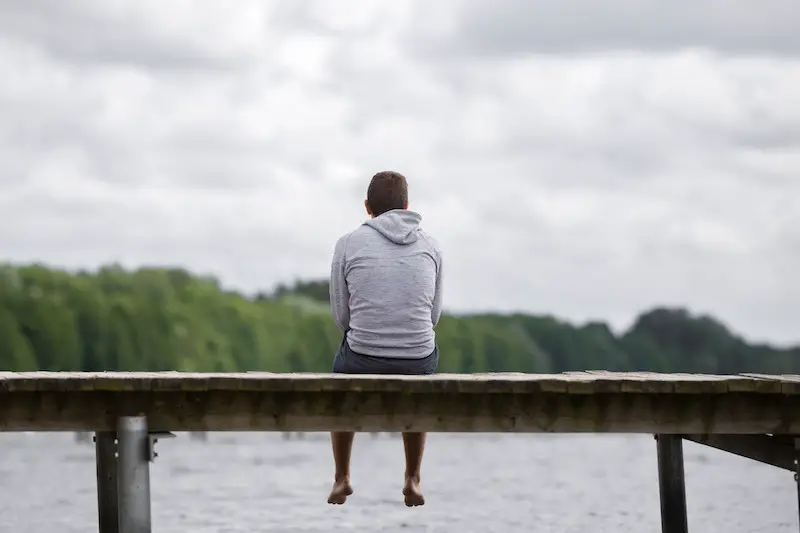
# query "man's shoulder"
(354, 233)
(351, 236)
(344, 238)
(431, 241)
(341, 246)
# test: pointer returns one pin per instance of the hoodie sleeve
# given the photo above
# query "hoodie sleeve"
(339, 294)
(436, 309)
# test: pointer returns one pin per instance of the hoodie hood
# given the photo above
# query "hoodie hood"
(400, 226)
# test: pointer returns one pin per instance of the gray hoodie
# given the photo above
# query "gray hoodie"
(386, 286)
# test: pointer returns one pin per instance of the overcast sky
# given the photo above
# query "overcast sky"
(588, 159)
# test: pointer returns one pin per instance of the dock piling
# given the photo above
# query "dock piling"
(797, 468)
(133, 475)
(106, 461)
(671, 484)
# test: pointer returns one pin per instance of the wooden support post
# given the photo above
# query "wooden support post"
(106, 462)
(672, 487)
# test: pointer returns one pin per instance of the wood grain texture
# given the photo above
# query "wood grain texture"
(589, 382)
(593, 401)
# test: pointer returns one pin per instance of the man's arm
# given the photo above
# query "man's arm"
(340, 296)
(436, 309)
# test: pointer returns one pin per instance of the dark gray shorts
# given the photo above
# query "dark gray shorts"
(349, 362)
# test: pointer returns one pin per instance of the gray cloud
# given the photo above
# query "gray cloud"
(516, 27)
(92, 31)
(588, 185)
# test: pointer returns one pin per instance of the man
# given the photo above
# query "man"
(386, 297)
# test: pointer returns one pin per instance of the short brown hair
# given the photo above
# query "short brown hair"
(388, 190)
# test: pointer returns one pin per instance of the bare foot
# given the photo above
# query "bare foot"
(340, 491)
(412, 492)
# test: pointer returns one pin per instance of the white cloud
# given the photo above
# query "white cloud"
(240, 141)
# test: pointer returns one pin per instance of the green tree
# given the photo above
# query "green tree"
(167, 318)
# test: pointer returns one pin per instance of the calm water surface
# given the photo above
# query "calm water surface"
(473, 483)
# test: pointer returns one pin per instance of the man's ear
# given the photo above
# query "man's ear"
(366, 206)
(405, 206)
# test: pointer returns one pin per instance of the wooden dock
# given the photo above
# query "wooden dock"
(754, 416)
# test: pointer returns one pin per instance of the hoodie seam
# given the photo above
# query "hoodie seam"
(344, 255)
(433, 249)
(344, 248)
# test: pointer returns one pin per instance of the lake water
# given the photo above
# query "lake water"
(472, 483)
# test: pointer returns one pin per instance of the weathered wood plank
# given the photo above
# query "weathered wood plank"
(789, 384)
(398, 411)
(573, 382)
(746, 383)
(641, 382)
(480, 403)
(592, 401)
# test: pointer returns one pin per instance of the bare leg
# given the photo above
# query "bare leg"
(414, 444)
(342, 443)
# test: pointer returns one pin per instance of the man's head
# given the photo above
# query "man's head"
(388, 190)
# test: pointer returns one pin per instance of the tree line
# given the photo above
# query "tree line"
(153, 319)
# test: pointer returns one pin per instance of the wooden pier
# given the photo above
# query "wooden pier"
(754, 416)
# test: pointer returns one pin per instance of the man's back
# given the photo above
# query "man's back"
(386, 286)
(386, 296)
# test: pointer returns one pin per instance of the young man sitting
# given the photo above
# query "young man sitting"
(386, 297)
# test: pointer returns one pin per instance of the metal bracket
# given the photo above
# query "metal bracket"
(152, 438)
